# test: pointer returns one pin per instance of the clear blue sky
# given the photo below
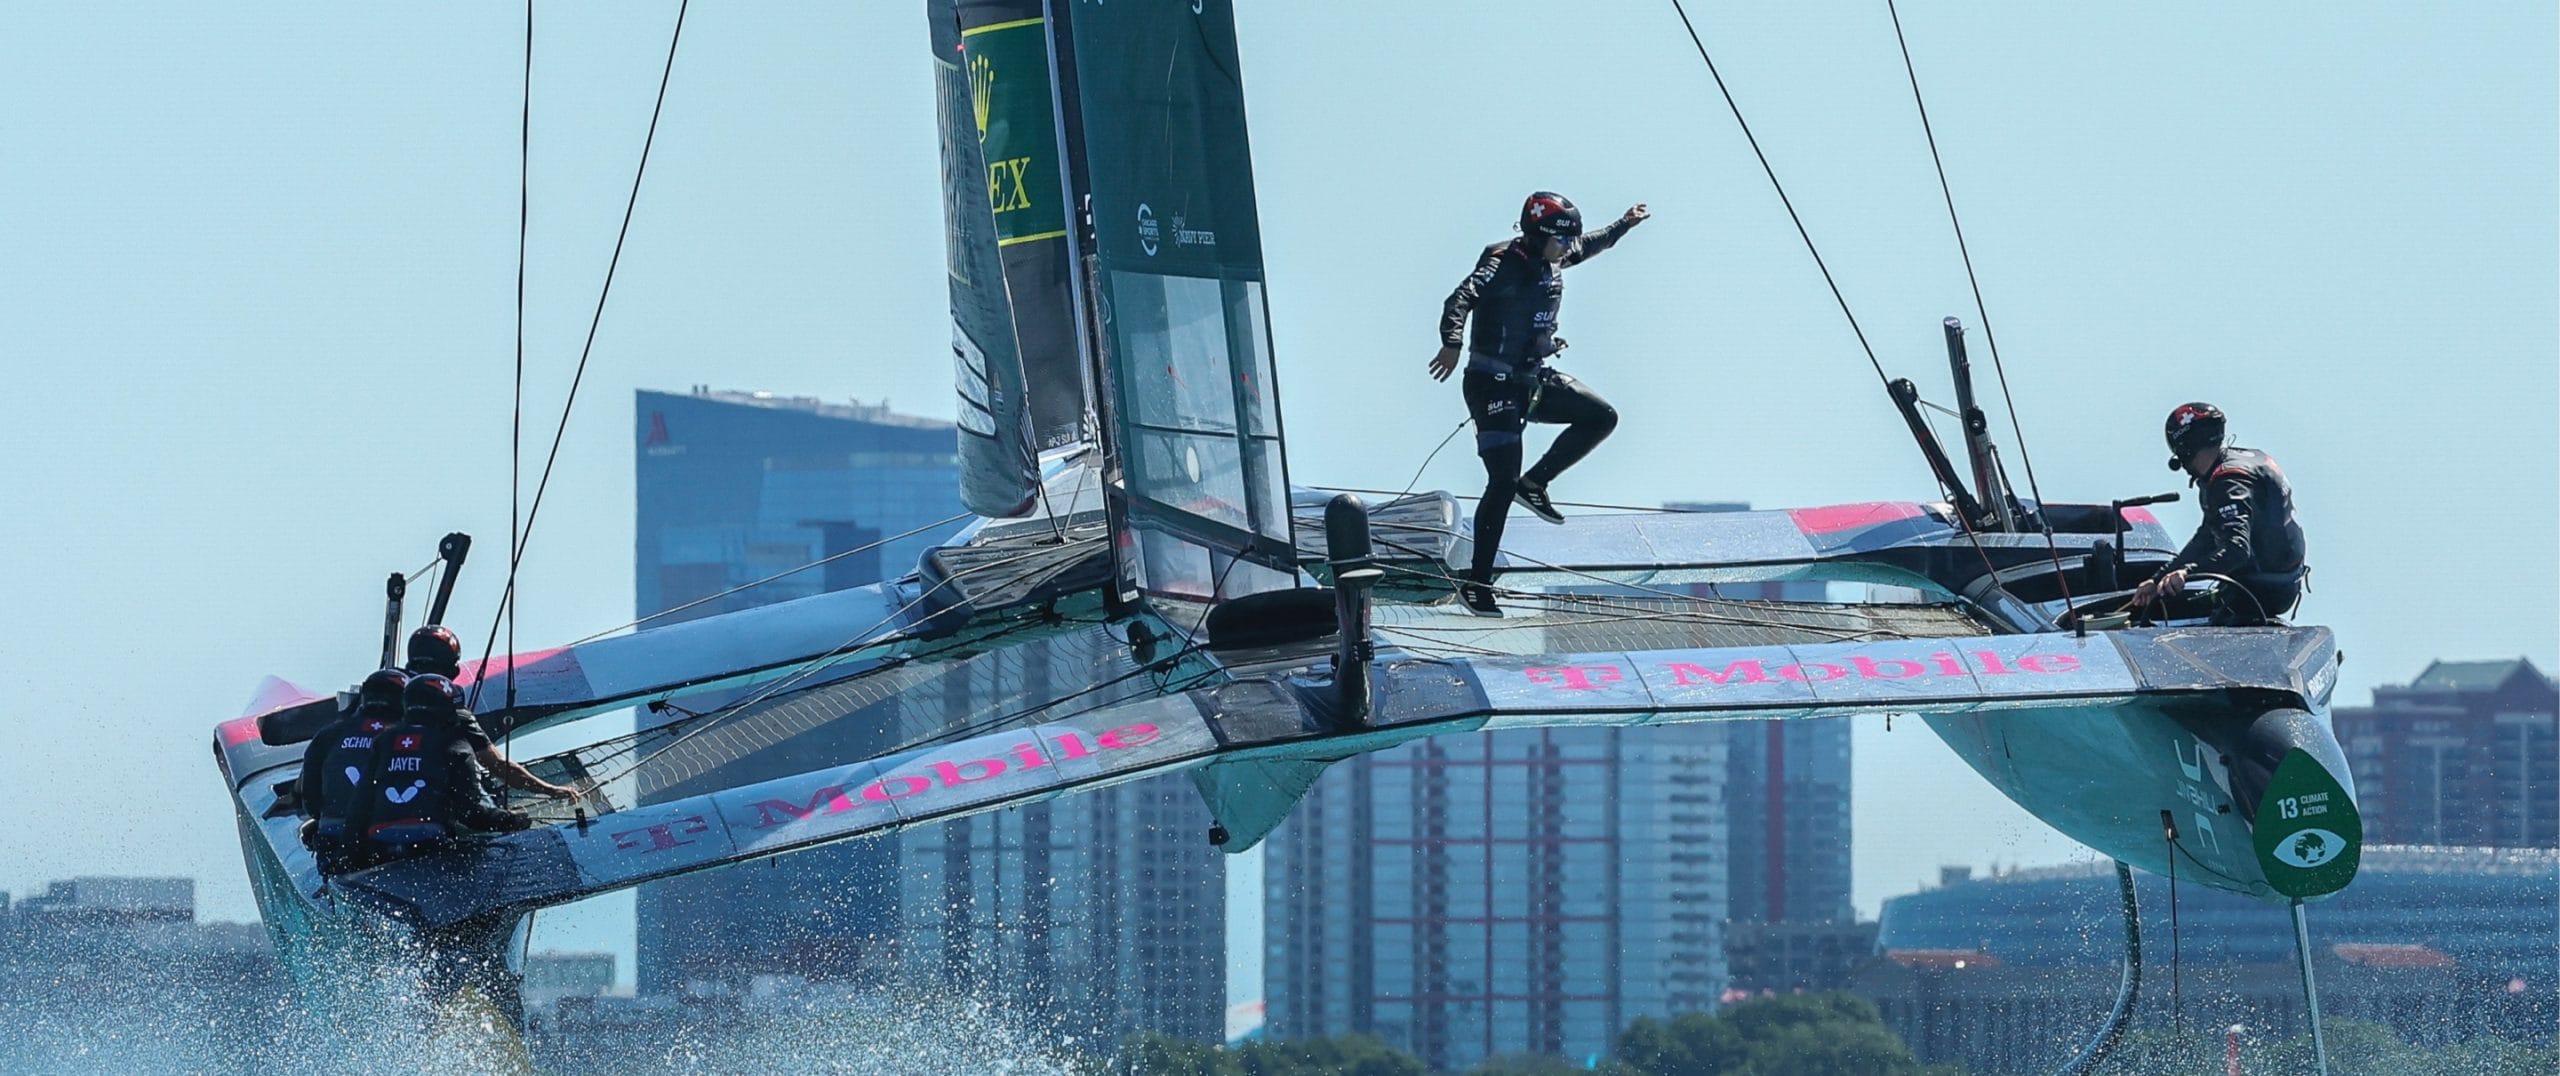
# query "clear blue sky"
(257, 272)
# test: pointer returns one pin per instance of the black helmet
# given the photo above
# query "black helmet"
(431, 697)
(2192, 426)
(1550, 215)
(434, 649)
(382, 688)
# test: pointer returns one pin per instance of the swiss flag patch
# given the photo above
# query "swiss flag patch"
(407, 742)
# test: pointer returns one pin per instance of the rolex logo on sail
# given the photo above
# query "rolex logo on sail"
(982, 86)
(1003, 67)
(1008, 187)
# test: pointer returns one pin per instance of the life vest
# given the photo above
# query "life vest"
(1515, 312)
(408, 791)
(342, 768)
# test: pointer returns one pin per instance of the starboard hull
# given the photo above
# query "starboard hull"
(2148, 784)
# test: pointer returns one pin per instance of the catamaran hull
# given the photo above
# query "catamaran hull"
(2151, 784)
(352, 960)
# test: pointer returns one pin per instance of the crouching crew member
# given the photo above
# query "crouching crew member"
(422, 788)
(2249, 534)
(333, 767)
(434, 650)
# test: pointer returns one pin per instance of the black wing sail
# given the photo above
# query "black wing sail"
(1155, 107)
(999, 473)
(1006, 46)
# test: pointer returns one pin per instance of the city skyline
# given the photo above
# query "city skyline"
(2446, 948)
(274, 324)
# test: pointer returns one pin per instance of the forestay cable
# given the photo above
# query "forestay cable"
(1989, 340)
(524, 536)
(1781, 188)
(1990, 572)
(783, 574)
(515, 420)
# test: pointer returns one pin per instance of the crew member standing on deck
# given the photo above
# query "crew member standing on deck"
(2248, 535)
(1514, 293)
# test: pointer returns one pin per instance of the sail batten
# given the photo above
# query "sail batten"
(1020, 375)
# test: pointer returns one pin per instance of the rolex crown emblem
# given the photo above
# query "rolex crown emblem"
(982, 85)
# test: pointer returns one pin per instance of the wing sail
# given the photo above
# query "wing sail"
(998, 471)
(1005, 48)
(1014, 340)
(1174, 267)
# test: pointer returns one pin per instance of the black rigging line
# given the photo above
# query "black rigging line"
(783, 574)
(857, 642)
(1426, 460)
(1165, 664)
(596, 754)
(676, 728)
(1408, 491)
(515, 558)
(1602, 601)
(1991, 573)
(1782, 194)
(2177, 1003)
(1948, 193)
(515, 424)
(998, 721)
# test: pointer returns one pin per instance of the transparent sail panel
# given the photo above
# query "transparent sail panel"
(1260, 390)
(1202, 455)
(1186, 342)
(1176, 326)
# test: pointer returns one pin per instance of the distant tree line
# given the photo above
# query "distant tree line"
(1831, 1034)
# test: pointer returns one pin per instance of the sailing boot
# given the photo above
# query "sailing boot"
(1478, 599)
(1532, 494)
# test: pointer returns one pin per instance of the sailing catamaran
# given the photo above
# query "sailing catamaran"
(1146, 592)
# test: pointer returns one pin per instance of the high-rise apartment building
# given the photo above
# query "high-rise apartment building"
(1098, 914)
(2463, 755)
(1786, 792)
(1786, 810)
(1525, 891)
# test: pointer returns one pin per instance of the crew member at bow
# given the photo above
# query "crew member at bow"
(435, 651)
(2249, 534)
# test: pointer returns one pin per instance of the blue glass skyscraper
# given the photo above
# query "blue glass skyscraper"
(1091, 917)
(732, 488)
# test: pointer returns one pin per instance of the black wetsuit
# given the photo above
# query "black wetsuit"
(333, 768)
(467, 726)
(2249, 534)
(1514, 296)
